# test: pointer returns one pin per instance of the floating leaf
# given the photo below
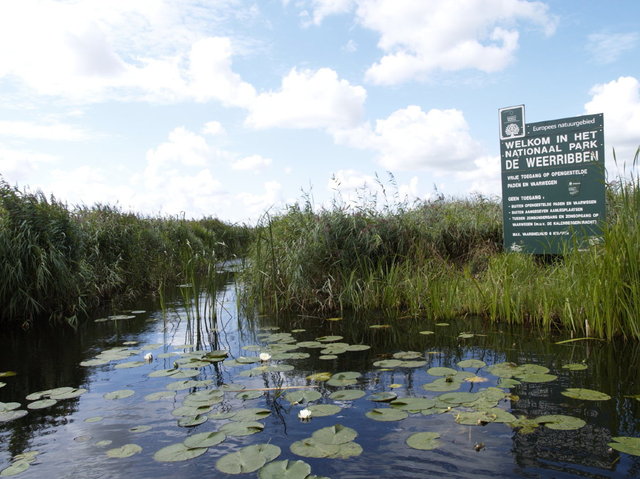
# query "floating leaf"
(41, 404)
(388, 363)
(319, 410)
(120, 394)
(383, 396)
(285, 470)
(408, 355)
(2, 384)
(311, 344)
(348, 378)
(138, 429)
(471, 363)
(69, 393)
(94, 419)
(575, 367)
(160, 395)
(537, 378)
(458, 397)
(474, 418)
(309, 447)
(244, 428)
(181, 385)
(626, 444)
(380, 326)
(83, 438)
(347, 450)
(319, 377)
(178, 452)
(247, 395)
(412, 404)
(508, 383)
(442, 324)
(358, 347)
(425, 441)
(440, 371)
(252, 414)
(205, 439)
(387, 414)
(561, 422)
(329, 339)
(7, 416)
(104, 443)
(337, 434)
(427, 333)
(7, 374)
(327, 357)
(130, 364)
(585, 394)
(347, 395)
(9, 406)
(302, 396)
(442, 384)
(334, 319)
(247, 459)
(16, 467)
(127, 450)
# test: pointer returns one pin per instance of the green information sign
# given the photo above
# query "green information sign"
(553, 182)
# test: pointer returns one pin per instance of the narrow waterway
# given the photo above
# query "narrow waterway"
(115, 398)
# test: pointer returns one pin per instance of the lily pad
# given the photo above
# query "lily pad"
(471, 363)
(160, 395)
(242, 428)
(16, 467)
(9, 406)
(427, 333)
(442, 384)
(412, 404)
(178, 452)
(337, 434)
(327, 357)
(311, 344)
(192, 421)
(285, 470)
(561, 422)
(348, 378)
(252, 414)
(585, 394)
(93, 419)
(329, 339)
(41, 404)
(319, 377)
(358, 347)
(387, 363)
(302, 396)
(575, 367)
(205, 439)
(127, 450)
(136, 429)
(319, 410)
(247, 459)
(537, 378)
(384, 396)
(441, 371)
(628, 445)
(425, 441)
(408, 355)
(387, 414)
(309, 447)
(119, 394)
(347, 395)
(7, 416)
(130, 364)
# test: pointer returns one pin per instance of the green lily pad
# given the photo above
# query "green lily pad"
(575, 367)
(524, 425)
(2, 384)
(458, 397)
(16, 467)
(380, 326)
(309, 447)
(383, 396)
(337, 434)
(9, 406)
(441, 385)
(441, 371)
(248, 395)
(135, 429)
(252, 414)
(68, 393)
(344, 379)
(474, 418)
(217, 416)
(120, 394)
(104, 443)
(178, 452)
(93, 419)
(465, 335)
(387, 363)
(537, 378)
(626, 444)
(329, 339)
(160, 395)
(585, 394)
(192, 421)
(347, 450)
(7, 416)
(188, 384)
(358, 347)
(387, 414)
(204, 439)
(508, 383)
(408, 355)
(442, 324)
(130, 364)
(347, 395)
(412, 404)
(561, 422)
(127, 450)
(425, 441)
(311, 344)
(247, 459)
(319, 377)
(302, 396)
(41, 404)
(327, 357)
(427, 333)
(242, 428)
(285, 470)
(319, 410)
(471, 363)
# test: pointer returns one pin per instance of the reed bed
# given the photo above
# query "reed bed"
(58, 263)
(444, 259)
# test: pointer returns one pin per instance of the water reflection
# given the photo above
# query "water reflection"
(209, 319)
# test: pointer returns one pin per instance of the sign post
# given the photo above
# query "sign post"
(553, 182)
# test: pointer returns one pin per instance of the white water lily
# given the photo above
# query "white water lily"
(265, 356)
(148, 357)
(304, 414)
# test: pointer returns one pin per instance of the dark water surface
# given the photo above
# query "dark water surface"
(69, 445)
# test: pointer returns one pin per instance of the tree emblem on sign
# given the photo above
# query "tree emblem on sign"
(512, 129)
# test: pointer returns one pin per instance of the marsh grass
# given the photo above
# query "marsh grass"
(58, 263)
(444, 259)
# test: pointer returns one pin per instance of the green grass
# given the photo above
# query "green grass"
(58, 263)
(444, 259)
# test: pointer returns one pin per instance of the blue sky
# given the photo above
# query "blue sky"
(230, 108)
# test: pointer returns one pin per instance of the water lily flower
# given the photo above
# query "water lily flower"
(304, 414)
(148, 357)
(265, 356)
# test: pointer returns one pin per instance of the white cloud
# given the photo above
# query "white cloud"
(50, 131)
(419, 38)
(484, 176)
(323, 8)
(21, 166)
(410, 139)
(257, 204)
(253, 163)
(619, 101)
(213, 128)
(607, 48)
(309, 99)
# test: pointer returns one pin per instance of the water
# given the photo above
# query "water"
(69, 446)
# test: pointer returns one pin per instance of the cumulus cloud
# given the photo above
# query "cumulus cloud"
(253, 163)
(257, 204)
(411, 139)
(43, 131)
(213, 128)
(21, 166)
(607, 48)
(309, 99)
(619, 101)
